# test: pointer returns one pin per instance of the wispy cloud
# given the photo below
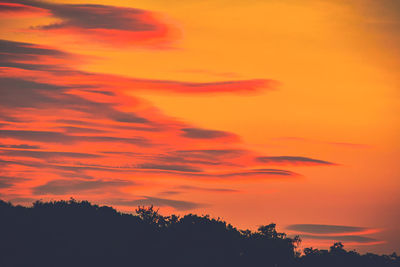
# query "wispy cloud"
(62, 187)
(10, 181)
(79, 127)
(22, 146)
(21, 10)
(59, 137)
(207, 189)
(334, 233)
(179, 168)
(325, 229)
(293, 160)
(100, 23)
(46, 154)
(197, 133)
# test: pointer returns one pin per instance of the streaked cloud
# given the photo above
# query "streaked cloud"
(12, 50)
(179, 168)
(15, 9)
(198, 133)
(78, 127)
(260, 172)
(79, 130)
(21, 93)
(62, 187)
(293, 160)
(105, 24)
(325, 229)
(336, 233)
(59, 137)
(22, 146)
(207, 153)
(46, 154)
(10, 181)
(207, 189)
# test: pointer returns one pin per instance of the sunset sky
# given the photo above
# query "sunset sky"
(281, 111)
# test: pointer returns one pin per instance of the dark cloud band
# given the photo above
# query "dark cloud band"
(294, 160)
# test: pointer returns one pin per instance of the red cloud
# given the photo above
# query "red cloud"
(102, 24)
(14, 9)
(82, 125)
(293, 160)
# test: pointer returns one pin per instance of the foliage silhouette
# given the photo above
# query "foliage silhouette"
(77, 233)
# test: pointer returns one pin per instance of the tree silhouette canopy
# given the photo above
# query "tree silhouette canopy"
(78, 233)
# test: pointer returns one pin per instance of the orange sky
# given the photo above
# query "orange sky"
(253, 111)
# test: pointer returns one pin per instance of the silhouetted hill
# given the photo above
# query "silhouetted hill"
(73, 233)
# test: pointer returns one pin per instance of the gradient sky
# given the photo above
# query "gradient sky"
(253, 111)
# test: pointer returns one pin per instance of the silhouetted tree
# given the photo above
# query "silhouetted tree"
(337, 256)
(78, 233)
